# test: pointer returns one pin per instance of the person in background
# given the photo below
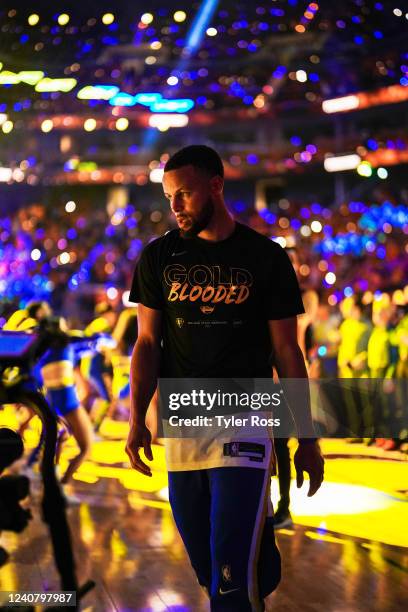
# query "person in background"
(354, 333)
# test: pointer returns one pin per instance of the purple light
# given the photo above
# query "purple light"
(252, 159)
(305, 213)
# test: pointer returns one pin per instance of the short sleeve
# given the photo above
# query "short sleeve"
(283, 299)
(146, 286)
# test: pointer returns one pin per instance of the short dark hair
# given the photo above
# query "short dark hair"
(199, 156)
(33, 307)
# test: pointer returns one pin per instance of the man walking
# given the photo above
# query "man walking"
(215, 299)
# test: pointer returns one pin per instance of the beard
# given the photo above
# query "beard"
(197, 225)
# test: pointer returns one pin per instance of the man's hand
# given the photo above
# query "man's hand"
(139, 437)
(308, 458)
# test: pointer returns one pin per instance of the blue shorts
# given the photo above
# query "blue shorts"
(63, 401)
(221, 516)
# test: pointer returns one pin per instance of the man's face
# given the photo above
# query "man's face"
(189, 192)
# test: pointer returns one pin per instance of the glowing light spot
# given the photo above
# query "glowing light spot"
(382, 173)
(179, 16)
(156, 175)
(146, 18)
(108, 18)
(47, 125)
(70, 206)
(305, 230)
(332, 300)
(7, 126)
(111, 293)
(63, 19)
(172, 80)
(89, 125)
(122, 124)
(211, 32)
(33, 19)
(301, 76)
(64, 258)
(330, 278)
(316, 226)
(365, 169)
(35, 254)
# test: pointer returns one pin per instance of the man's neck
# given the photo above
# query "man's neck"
(221, 226)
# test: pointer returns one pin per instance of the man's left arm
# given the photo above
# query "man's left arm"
(290, 364)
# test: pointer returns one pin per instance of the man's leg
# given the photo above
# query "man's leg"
(245, 559)
(189, 496)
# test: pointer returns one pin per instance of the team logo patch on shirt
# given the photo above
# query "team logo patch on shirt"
(180, 321)
(251, 450)
(207, 309)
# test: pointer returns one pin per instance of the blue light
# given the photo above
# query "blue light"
(381, 252)
(122, 99)
(358, 40)
(378, 34)
(279, 72)
(296, 141)
(252, 48)
(24, 38)
(201, 100)
(313, 77)
(372, 144)
(322, 351)
(72, 233)
(404, 81)
(200, 24)
(109, 40)
(252, 159)
(18, 107)
(348, 291)
(147, 98)
(181, 105)
(239, 206)
(133, 149)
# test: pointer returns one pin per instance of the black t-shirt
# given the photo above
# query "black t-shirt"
(216, 299)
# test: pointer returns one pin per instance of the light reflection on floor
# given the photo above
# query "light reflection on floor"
(356, 527)
(361, 496)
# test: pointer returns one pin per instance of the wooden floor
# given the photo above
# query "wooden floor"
(125, 540)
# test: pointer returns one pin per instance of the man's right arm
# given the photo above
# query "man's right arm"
(144, 372)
